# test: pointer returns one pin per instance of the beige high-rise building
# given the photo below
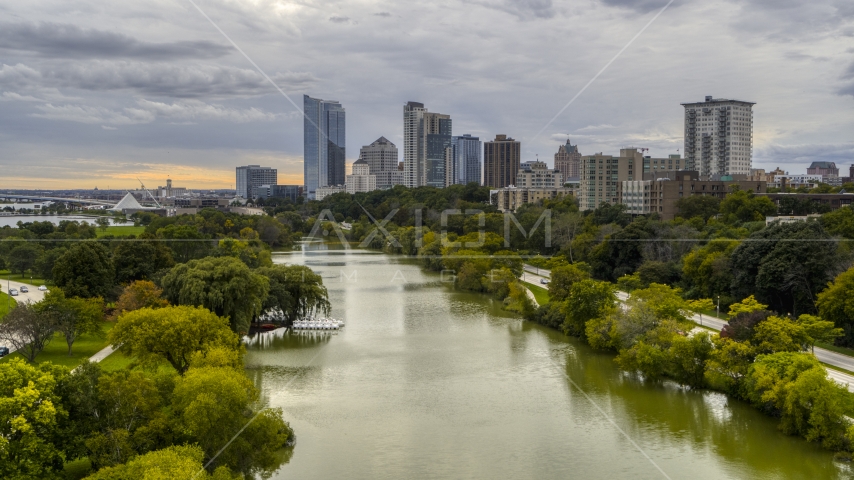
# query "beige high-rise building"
(539, 175)
(602, 176)
(501, 159)
(382, 159)
(567, 160)
(719, 136)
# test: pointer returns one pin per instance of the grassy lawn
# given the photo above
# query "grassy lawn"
(6, 304)
(84, 347)
(118, 361)
(540, 293)
(25, 278)
(121, 231)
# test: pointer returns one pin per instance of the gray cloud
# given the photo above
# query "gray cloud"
(841, 153)
(640, 5)
(70, 41)
(382, 14)
(337, 19)
(162, 79)
(524, 9)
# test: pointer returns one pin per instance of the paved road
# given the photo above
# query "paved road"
(33, 296)
(824, 356)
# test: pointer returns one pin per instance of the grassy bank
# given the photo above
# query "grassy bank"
(540, 293)
(84, 347)
(6, 304)
(23, 278)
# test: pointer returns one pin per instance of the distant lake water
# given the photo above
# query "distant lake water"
(12, 220)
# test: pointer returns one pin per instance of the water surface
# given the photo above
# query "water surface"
(427, 382)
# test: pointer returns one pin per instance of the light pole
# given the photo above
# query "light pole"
(719, 306)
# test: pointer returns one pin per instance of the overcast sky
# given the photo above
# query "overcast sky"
(97, 93)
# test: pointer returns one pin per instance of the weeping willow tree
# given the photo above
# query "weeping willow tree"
(296, 290)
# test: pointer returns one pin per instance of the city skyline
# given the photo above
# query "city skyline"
(171, 96)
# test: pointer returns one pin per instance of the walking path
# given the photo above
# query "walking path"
(827, 357)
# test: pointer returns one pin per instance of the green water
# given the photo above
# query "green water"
(426, 382)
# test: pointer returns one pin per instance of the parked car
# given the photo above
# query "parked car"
(13, 292)
(43, 288)
(24, 289)
(4, 351)
(544, 281)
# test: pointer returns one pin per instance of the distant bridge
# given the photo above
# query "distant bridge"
(8, 196)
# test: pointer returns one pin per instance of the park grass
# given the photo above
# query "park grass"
(84, 347)
(121, 231)
(6, 304)
(540, 293)
(23, 278)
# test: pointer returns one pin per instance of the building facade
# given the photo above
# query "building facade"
(797, 181)
(660, 192)
(719, 136)
(382, 159)
(539, 175)
(426, 135)
(467, 157)
(568, 160)
(511, 198)
(324, 144)
(602, 177)
(291, 192)
(501, 161)
(823, 168)
(324, 192)
(361, 180)
(252, 176)
(671, 163)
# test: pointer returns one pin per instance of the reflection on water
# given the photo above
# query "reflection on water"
(427, 382)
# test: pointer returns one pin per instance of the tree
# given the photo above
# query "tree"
(836, 304)
(652, 271)
(72, 316)
(140, 294)
(224, 285)
(173, 334)
(742, 326)
(139, 260)
(744, 206)
(213, 405)
(703, 206)
(776, 334)
(85, 270)
(103, 223)
(562, 279)
(26, 330)
(588, 299)
(665, 302)
(700, 306)
(175, 462)
(23, 257)
(46, 261)
(707, 270)
(296, 290)
(31, 418)
(819, 330)
(748, 305)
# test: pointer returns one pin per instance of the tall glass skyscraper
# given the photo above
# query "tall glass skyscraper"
(467, 153)
(425, 137)
(324, 144)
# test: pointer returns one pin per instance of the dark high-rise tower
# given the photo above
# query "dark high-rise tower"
(501, 159)
(324, 144)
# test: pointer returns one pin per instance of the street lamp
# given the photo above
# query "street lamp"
(719, 306)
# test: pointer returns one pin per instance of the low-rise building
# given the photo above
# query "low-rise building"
(602, 175)
(291, 192)
(797, 181)
(659, 192)
(833, 201)
(324, 192)
(509, 199)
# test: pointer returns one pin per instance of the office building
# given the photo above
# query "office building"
(381, 157)
(291, 192)
(252, 176)
(719, 136)
(797, 181)
(324, 142)
(467, 156)
(501, 161)
(170, 191)
(659, 192)
(361, 180)
(509, 199)
(568, 160)
(426, 136)
(602, 176)
(324, 192)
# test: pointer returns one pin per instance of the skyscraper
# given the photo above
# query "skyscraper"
(324, 144)
(719, 136)
(467, 157)
(252, 176)
(425, 137)
(381, 157)
(567, 160)
(501, 159)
